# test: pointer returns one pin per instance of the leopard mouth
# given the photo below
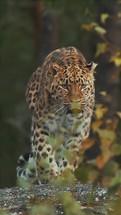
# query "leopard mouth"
(70, 109)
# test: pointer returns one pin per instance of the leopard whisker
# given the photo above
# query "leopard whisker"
(67, 103)
(61, 108)
(88, 109)
(56, 107)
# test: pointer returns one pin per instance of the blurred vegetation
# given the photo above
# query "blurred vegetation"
(16, 63)
(29, 30)
(106, 167)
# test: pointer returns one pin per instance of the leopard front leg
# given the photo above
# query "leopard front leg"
(69, 153)
(46, 166)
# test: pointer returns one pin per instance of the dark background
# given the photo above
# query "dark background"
(29, 30)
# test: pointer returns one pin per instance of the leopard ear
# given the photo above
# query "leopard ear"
(56, 68)
(91, 66)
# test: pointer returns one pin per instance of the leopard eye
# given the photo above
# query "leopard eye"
(89, 65)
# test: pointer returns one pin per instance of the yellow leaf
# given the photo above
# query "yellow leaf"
(95, 26)
(116, 59)
(96, 125)
(101, 48)
(119, 114)
(107, 137)
(99, 30)
(90, 26)
(103, 93)
(104, 17)
(100, 111)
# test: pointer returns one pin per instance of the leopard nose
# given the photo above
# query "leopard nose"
(75, 104)
(76, 101)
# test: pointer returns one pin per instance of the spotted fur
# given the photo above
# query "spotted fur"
(61, 96)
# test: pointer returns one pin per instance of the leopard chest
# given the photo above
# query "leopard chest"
(68, 125)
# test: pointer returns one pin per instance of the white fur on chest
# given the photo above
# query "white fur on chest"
(68, 122)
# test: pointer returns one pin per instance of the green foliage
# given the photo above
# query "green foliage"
(4, 212)
(67, 178)
(42, 209)
(71, 207)
(115, 207)
(82, 174)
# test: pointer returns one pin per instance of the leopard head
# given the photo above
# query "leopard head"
(71, 79)
(64, 79)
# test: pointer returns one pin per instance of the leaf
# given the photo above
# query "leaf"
(111, 168)
(43, 209)
(111, 124)
(116, 59)
(103, 93)
(82, 174)
(101, 160)
(96, 125)
(89, 27)
(93, 175)
(105, 181)
(88, 143)
(100, 111)
(70, 205)
(100, 30)
(107, 137)
(104, 17)
(94, 26)
(116, 149)
(101, 48)
(119, 114)
(116, 179)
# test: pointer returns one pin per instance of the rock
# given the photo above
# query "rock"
(16, 200)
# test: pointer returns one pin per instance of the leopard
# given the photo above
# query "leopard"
(61, 97)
